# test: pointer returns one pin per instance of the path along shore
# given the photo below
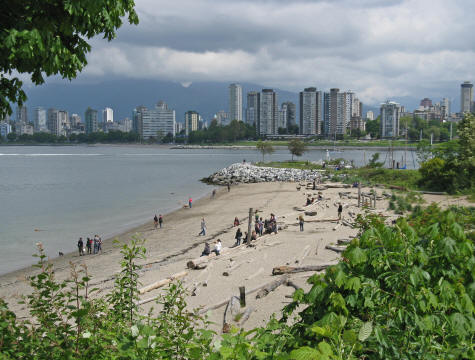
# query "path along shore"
(169, 249)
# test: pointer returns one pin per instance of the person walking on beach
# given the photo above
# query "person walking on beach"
(229, 187)
(160, 220)
(213, 193)
(203, 227)
(190, 202)
(301, 221)
(96, 242)
(99, 245)
(340, 210)
(89, 246)
(80, 246)
(238, 237)
(155, 221)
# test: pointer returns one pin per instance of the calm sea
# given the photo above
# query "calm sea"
(70, 191)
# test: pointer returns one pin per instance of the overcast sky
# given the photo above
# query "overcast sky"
(378, 48)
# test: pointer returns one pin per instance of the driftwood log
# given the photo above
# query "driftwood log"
(162, 282)
(280, 270)
(271, 287)
(322, 220)
(338, 249)
(224, 302)
(232, 309)
(245, 316)
(343, 241)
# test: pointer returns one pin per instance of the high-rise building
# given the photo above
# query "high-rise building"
(466, 97)
(291, 110)
(53, 122)
(65, 125)
(91, 120)
(326, 114)
(40, 119)
(282, 122)
(235, 102)
(137, 118)
(370, 115)
(253, 107)
(346, 108)
(269, 113)
(335, 113)
(156, 122)
(192, 119)
(426, 103)
(310, 112)
(75, 121)
(126, 125)
(445, 105)
(5, 129)
(390, 115)
(107, 115)
(21, 114)
(222, 118)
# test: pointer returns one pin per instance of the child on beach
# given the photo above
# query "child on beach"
(155, 221)
(160, 220)
(190, 201)
(236, 221)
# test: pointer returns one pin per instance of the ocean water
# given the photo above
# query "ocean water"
(55, 194)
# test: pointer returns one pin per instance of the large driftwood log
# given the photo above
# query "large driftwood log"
(338, 249)
(322, 220)
(279, 270)
(271, 287)
(162, 282)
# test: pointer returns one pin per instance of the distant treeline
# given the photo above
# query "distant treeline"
(236, 130)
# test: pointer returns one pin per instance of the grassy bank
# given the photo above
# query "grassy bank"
(402, 178)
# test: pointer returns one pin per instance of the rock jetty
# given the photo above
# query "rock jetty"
(247, 173)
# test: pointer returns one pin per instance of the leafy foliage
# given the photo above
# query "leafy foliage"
(296, 147)
(49, 37)
(452, 168)
(264, 148)
(236, 130)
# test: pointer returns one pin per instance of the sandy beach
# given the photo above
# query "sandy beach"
(170, 248)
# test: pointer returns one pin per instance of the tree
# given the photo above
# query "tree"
(50, 38)
(296, 147)
(372, 127)
(265, 148)
(373, 162)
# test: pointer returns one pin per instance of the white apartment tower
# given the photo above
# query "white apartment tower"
(107, 115)
(235, 102)
(155, 122)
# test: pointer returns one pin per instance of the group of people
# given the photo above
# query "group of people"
(92, 245)
(158, 220)
(217, 248)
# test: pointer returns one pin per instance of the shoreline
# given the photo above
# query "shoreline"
(107, 242)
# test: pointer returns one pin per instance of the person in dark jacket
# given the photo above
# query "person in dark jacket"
(206, 250)
(238, 237)
(80, 246)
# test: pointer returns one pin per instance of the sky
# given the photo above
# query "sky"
(378, 48)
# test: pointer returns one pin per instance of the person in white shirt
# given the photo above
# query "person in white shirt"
(217, 247)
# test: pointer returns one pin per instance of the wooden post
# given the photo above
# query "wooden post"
(374, 199)
(249, 226)
(359, 194)
(242, 296)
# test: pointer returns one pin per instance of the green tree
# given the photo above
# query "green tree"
(372, 127)
(296, 147)
(51, 38)
(265, 148)
(373, 162)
